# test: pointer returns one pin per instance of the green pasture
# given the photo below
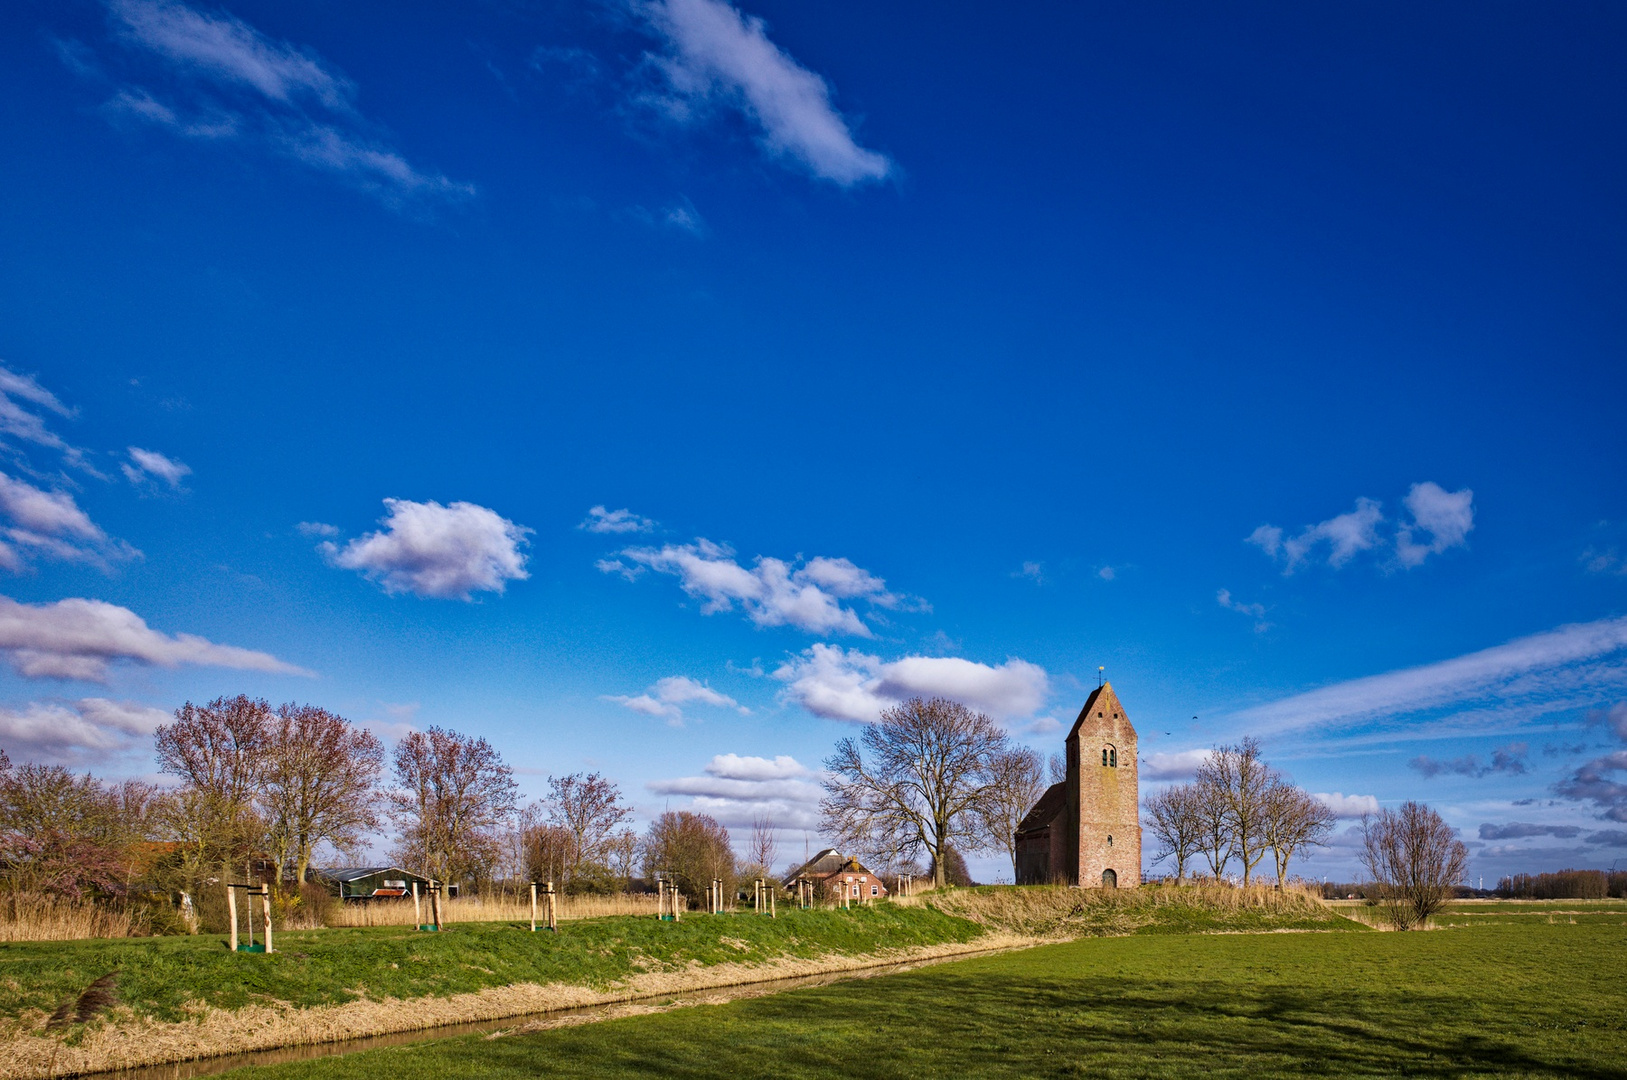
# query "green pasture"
(1525, 998)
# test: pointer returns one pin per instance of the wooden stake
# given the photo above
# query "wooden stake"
(553, 909)
(417, 912)
(533, 907)
(231, 907)
(266, 896)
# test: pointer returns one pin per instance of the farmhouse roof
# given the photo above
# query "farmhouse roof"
(827, 862)
(356, 873)
(1050, 804)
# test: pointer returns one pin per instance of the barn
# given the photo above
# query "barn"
(371, 882)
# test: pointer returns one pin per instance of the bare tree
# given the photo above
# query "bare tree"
(1175, 818)
(764, 847)
(1294, 821)
(218, 751)
(690, 850)
(1214, 825)
(549, 850)
(1415, 859)
(319, 778)
(1017, 781)
(928, 779)
(1057, 767)
(589, 807)
(453, 793)
(1240, 778)
(621, 854)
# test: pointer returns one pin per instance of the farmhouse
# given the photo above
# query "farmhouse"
(371, 882)
(1086, 830)
(834, 875)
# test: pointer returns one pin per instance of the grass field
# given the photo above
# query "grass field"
(168, 978)
(1531, 999)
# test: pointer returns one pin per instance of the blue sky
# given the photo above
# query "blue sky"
(661, 387)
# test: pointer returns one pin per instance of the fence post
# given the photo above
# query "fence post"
(417, 912)
(231, 908)
(553, 910)
(533, 907)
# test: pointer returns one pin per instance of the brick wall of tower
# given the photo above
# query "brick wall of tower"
(1104, 799)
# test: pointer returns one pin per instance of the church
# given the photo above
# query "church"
(1086, 830)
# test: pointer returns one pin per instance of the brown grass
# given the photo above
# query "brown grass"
(32, 917)
(1058, 911)
(488, 909)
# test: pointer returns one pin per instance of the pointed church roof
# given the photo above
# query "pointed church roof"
(1102, 700)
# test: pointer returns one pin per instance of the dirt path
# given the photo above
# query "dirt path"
(126, 1042)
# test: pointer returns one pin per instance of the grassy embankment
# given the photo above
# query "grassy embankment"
(1528, 999)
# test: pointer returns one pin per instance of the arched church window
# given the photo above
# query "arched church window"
(1104, 757)
(1109, 841)
(1113, 756)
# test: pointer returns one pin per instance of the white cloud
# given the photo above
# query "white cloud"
(668, 696)
(738, 790)
(716, 54)
(1347, 806)
(772, 592)
(150, 464)
(439, 551)
(850, 685)
(600, 520)
(1444, 517)
(317, 528)
(1043, 725)
(1568, 665)
(1107, 573)
(51, 524)
(1254, 611)
(90, 730)
(230, 81)
(1182, 765)
(1447, 516)
(79, 639)
(18, 421)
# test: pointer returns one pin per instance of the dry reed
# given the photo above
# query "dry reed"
(1059, 910)
(32, 917)
(490, 909)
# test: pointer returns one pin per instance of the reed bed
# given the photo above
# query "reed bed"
(1204, 907)
(490, 909)
(32, 917)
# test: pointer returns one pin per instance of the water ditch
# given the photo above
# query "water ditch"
(523, 1023)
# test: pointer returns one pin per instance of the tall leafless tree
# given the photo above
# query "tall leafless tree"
(1018, 780)
(1294, 821)
(926, 783)
(1214, 825)
(589, 807)
(218, 751)
(1415, 860)
(319, 783)
(1240, 778)
(1175, 818)
(764, 846)
(453, 793)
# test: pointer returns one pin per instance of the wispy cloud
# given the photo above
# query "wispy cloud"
(714, 56)
(600, 520)
(1561, 668)
(772, 592)
(148, 465)
(1519, 830)
(669, 695)
(81, 639)
(1033, 571)
(1347, 806)
(50, 524)
(1180, 765)
(430, 550)
(226, 81)
(90, 731)
(1254, 611)
(839, 684)
(1437, 521)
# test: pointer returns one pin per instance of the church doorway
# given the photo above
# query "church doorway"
(1110, 880)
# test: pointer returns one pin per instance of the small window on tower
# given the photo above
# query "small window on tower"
(1109, 841)
(1104, 757)
(1113, 757)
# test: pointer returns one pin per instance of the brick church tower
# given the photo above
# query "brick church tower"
(1086, 830)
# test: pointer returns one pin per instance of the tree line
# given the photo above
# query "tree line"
(263, 792)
